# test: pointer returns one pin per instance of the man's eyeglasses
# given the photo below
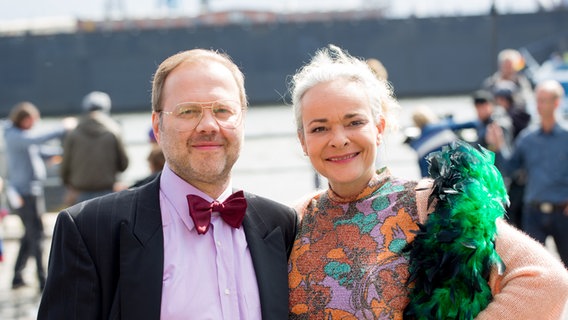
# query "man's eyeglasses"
(187, 115)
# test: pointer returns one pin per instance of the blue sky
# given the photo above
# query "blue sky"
(11, 10)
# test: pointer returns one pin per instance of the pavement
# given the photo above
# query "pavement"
(271, 164)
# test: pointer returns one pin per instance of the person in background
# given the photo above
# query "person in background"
(94, 153)
(510, 63)
(435, 133)
(374, 246)
(504, 91)
(188, 244)
(156, 163)
(155, 159)
(520, 119)
(26, 151)
(541, 151)
(488, 113)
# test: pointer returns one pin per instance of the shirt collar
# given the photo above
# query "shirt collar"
(175, 190)
(555, 130)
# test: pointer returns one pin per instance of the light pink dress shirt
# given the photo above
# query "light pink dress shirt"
(208, 276)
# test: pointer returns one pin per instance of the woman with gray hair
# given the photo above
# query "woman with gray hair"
(374, 246)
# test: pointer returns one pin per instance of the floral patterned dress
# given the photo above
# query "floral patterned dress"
(347, 260)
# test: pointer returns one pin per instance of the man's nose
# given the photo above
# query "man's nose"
(207, 122)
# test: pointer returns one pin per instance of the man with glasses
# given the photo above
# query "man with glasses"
(186, 245)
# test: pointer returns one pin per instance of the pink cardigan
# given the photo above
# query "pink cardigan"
(535, 283)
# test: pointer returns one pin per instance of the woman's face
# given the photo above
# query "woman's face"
(339, 134)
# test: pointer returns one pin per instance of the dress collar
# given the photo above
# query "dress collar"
(378, 180)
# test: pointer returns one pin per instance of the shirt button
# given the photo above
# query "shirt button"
(219, 244)
(227, 291)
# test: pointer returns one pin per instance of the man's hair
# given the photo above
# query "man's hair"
(192, 57)
(552, 86)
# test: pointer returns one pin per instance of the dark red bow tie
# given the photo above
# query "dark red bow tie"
(232, 210)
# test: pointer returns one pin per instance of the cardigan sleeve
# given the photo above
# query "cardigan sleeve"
(534, 284)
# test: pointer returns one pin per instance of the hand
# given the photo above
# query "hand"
(55, 160)
(16, 201)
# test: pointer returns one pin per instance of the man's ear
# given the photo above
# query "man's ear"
(156, 125)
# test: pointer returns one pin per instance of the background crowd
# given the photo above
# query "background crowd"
(507, 101)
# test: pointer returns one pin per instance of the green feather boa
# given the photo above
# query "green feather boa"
(453, 252)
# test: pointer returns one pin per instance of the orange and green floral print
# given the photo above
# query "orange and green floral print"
(347, 260)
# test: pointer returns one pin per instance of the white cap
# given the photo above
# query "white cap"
(97, 100)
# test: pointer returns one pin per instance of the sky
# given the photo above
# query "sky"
(18, 10)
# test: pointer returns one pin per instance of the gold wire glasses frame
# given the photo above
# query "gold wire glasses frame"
(187, 115)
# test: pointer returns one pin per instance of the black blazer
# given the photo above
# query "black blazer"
(107, 257)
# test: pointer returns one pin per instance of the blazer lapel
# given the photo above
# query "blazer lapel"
(142, 256)
(268, 254)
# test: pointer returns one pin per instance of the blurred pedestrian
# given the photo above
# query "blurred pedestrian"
(489, 113)
(175, 247)
(510, 65)
(541, 150)
(504, 92)
(435, 133)
(26, 151)
(94, 153)
(520, 119)
(156, 163)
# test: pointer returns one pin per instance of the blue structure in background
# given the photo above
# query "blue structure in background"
(427, 56)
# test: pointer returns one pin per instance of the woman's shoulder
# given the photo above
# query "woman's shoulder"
(302, 204)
